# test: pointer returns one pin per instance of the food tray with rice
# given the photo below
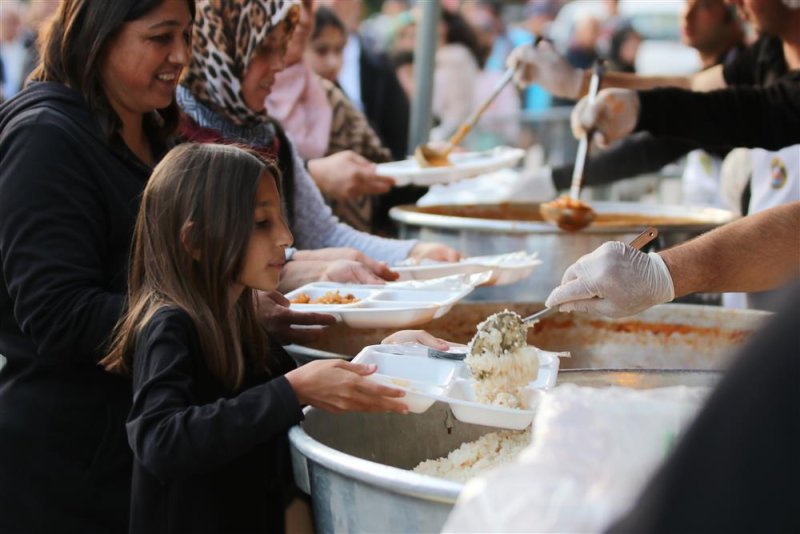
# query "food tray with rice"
(399, 305)
(493, 386)
(464, 165)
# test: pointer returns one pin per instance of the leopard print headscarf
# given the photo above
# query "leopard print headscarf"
(226, 34)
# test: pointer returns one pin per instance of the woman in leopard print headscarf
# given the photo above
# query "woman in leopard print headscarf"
(228, 37)
(238, 47)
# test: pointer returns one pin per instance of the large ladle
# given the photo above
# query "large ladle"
(514, 328)
(568, 212)
(430, 156)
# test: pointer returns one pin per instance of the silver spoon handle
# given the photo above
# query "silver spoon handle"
(501, 83)
(583, 145)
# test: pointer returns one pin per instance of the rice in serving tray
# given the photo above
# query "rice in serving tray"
(476, 457)
(501, 362)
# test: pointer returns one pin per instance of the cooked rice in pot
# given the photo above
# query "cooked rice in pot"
(476, 457)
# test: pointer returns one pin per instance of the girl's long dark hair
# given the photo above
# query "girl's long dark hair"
(190, 240)
(73, 46)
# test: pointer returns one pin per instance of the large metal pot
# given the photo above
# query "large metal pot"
(355, 466)
(499, 228)
(670, 336)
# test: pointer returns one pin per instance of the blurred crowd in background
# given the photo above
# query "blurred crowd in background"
(475, 38)
(363, 51)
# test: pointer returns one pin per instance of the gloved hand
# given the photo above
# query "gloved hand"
(614, 280)
(543, 65)
(613, 115)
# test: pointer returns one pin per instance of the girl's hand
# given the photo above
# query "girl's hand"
(417, 336)
(434, 251)
(339, 386)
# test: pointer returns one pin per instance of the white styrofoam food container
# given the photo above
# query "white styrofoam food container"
(427, 380)
(395, 305)
(504, 269)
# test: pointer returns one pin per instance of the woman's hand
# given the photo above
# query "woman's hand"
(347, 175)
(339, 386)
(278, 319)
(434, 251)
(417, 336)
(350, 272)
(298, 273)
(380, 268)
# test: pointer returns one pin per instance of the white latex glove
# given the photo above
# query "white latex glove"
(347, 175)
(614, 280)
(614, 115)
(543, 65)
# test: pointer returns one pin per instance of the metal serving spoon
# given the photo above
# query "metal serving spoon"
(567, 211)
(515, 328)
(429, 156)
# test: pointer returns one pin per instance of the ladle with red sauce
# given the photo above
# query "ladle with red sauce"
(567, 211)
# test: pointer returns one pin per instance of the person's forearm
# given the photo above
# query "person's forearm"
(756, 253)
(624, 80)
(743, 116)
(297, 273)
(318, 170)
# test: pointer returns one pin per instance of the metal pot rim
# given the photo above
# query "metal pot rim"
(398, 480)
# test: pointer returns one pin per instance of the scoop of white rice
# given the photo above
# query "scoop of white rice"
(501, 374)
(474, 458)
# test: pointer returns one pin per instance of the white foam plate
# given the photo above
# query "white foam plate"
(426, 380)
(384, 306)
(465, 165)
(504, 269)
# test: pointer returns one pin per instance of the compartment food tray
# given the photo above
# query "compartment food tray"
(504, 269)
(384, 306)
(427, 380)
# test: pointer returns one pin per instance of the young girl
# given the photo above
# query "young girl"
(325, 50)
(213, 397)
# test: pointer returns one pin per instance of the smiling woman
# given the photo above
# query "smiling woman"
(76, 148)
